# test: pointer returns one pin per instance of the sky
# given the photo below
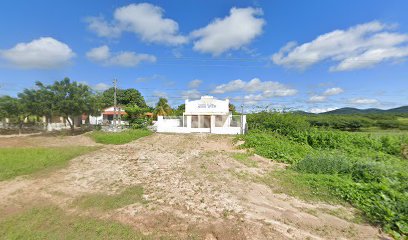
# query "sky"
(303, 55)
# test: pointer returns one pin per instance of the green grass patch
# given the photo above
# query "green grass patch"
(245, 159)
(277, 147)
(129, 196)
(301, 185)
(21, 161)
(53, 223)
(119, 137)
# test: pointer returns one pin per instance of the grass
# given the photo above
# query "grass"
(245, 159)
(53, 223)
(21, 161)
(129, 196)
(300, 185)
(119, 137)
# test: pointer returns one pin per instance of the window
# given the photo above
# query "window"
(194, 121)
(220, 120)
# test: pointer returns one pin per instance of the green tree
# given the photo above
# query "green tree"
(163, 108)
(40, 101)
(124, 97)
(179, 110)
(72, 99)
(136, 116)
(16, 110)
(232, 108)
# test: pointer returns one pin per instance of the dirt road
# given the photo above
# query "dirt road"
(193, 186)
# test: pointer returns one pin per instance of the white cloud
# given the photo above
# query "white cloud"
(360, 46)
(363, 101)
(124, 59)
(103, 28)
(333, 91)
(143, 19)
(267, 88)
(317, 98)
(321, 110)
(231, 86)
(194, 83)
(98, 54)
(191, 94)
(230, 33)
(251, 99)
(100, 87)
(327, 93)
(42, 53)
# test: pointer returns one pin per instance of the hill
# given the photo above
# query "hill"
(348, 110)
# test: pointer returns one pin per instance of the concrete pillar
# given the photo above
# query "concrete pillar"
(212, 124)
(188, 121)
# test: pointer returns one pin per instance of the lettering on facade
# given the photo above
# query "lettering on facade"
(209, 105)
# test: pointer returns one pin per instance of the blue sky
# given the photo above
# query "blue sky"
(309, 55)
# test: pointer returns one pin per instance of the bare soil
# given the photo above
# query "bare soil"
(193, 186)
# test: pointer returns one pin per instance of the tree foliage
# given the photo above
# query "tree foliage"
(124, 97)
(163, 108)
(71, 99)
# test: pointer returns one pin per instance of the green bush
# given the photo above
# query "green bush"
(366, 170)
(282, 123)
(276, 147)
(324, 164)
(140, 123)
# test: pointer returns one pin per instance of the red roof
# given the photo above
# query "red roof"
(113, 113)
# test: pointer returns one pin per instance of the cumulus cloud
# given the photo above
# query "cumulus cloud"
(321, 110)
(124, 59)
(327, 93)
(256, 89)
(42, 53)
(143, 19)
(98, 54)
(267, 88)
(194, 83)
(230, 33)
(360, 46)
(333, 91)
(102, 28)
(100, 87)
(363, 101)
(317, 98)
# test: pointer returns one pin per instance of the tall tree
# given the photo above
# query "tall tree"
(39, 101)
(162, 108)
(71, 99)
(124, 97)
(15, 110)
(179, 110)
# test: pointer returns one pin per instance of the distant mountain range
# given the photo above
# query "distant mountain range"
(348, 110)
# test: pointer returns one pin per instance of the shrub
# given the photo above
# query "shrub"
(324, 164)
(282, 123)
(368, 171)
(276, 147)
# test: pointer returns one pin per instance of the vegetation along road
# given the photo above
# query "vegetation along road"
(172, 187)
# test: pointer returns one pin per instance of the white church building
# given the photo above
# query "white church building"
(206, 115)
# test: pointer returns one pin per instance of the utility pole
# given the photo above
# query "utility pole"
(242, 118)
(114, 104)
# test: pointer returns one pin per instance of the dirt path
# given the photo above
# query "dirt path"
(193, 186)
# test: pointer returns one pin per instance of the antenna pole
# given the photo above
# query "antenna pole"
(114, 104)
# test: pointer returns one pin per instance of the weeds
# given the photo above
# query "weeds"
(366, 171)
(119, 137)
(129, 196)
(21, 161)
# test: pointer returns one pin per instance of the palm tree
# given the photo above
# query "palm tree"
(162, 108)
